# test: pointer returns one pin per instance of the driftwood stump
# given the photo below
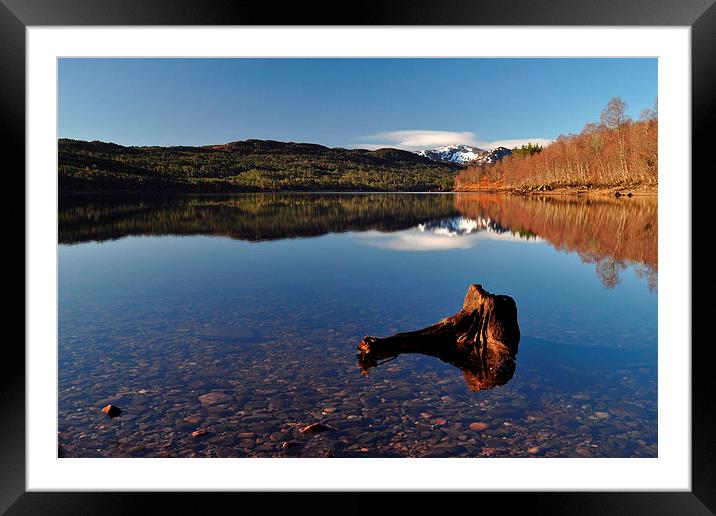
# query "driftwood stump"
(481, 340)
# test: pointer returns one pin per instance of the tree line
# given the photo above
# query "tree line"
(616, 151)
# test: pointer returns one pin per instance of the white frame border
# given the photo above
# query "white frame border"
(670, 471)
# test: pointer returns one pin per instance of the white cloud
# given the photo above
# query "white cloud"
(417, 139)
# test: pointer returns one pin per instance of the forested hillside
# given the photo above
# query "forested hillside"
(251, 165)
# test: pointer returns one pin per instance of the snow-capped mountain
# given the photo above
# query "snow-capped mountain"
(465, 154)
(494, 155)
(454, 153)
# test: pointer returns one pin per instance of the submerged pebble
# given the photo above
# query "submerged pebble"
(314, 428)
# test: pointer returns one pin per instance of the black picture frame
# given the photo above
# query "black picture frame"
(17, 15)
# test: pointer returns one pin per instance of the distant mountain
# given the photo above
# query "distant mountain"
(246, 166)
(453, 153)
(465, 154)
(494, 155)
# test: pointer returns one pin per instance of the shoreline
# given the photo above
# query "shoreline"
(613, 191)
(541, 191)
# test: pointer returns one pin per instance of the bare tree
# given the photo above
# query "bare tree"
(650, 114)
(614, 115)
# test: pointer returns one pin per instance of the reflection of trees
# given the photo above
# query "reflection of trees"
(252, 217)
(611, 233)
(608, 270)
(648, 272)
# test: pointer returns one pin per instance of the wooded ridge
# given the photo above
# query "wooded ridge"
(246, 166)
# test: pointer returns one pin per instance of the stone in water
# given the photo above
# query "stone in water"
(314, 428)
(112, 410)
(213, 397)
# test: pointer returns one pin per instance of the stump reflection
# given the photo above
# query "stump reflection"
(481, 340)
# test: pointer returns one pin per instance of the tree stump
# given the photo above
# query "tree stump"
(481, 339)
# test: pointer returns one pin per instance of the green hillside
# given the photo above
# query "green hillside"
(245, 166)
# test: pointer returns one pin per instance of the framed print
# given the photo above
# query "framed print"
(399, 249)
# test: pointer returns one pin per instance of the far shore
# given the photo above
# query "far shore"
(614, 191)
(650, 191)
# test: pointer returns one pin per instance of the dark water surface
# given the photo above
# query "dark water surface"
(263, 299)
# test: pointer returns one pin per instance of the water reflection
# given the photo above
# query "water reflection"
(460, 226)
(222, 347)
(418, 239)
(610, 233)
(252, 217)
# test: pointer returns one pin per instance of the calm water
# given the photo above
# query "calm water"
(263, 299)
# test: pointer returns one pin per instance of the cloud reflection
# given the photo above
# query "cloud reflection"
(444, 234)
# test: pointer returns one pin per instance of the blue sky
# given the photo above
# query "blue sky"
(369, 103)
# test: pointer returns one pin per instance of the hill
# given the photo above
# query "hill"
(244, 166)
